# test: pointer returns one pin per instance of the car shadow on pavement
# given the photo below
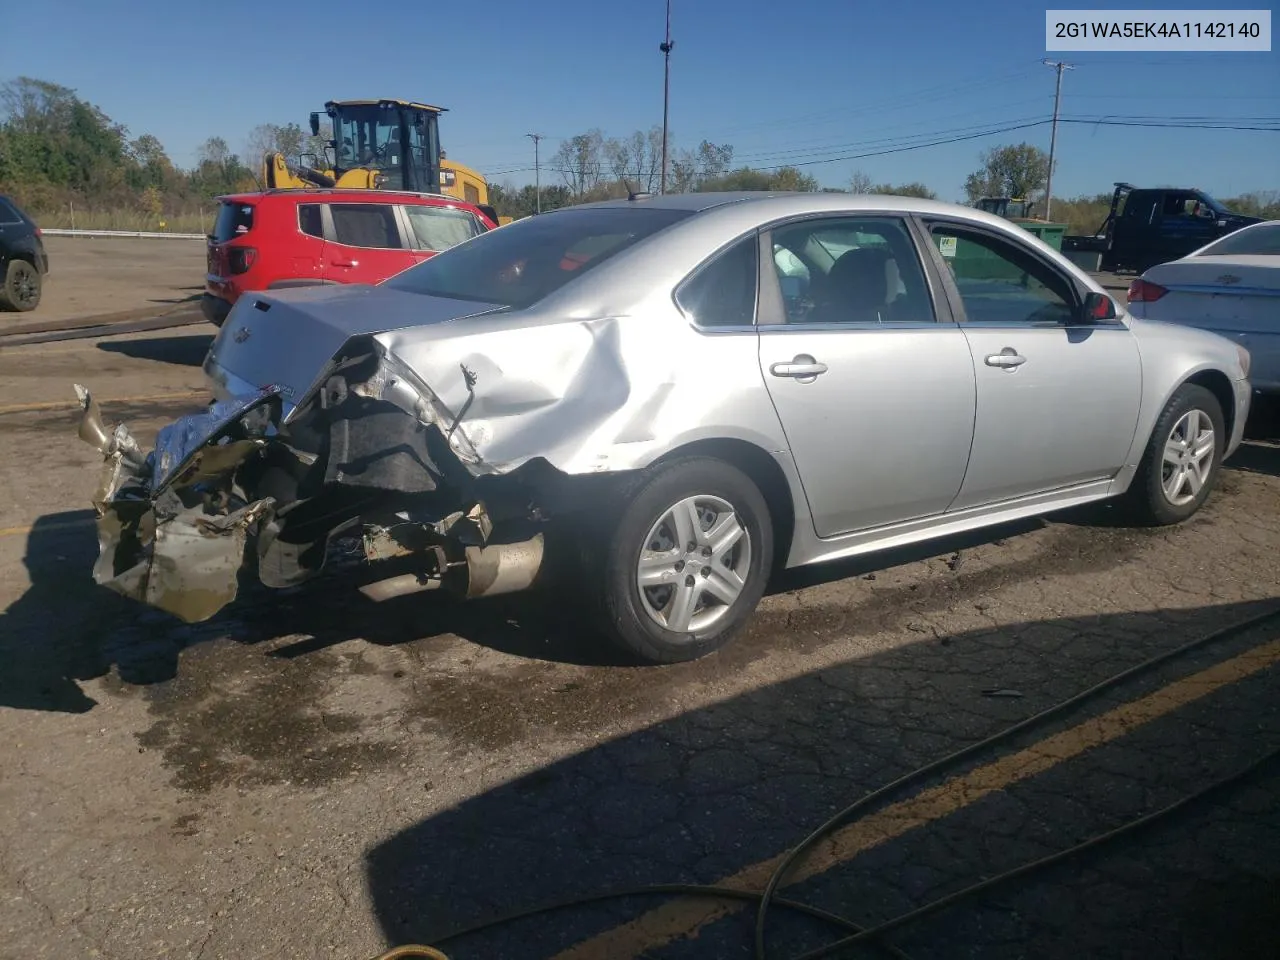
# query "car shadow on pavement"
(704, 795)
(65, 628)
(50, 637)
(184, 351)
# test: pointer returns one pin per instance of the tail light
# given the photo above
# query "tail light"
(1144, 291)
(240, 259)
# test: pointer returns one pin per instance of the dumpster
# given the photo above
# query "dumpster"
(1050, 233)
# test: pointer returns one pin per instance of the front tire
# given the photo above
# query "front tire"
(1182, 460)
(21, 287)
(686, 562)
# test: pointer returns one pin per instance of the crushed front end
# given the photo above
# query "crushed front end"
(257, 484)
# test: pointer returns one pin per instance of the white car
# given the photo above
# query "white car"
(1230, 287)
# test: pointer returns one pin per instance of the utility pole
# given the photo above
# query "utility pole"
(665, 47)
(537, 178)
(1059, 66)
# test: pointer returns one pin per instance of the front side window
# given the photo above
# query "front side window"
(529, 259)
(999, 282)
(439, 228)
(851, 270)
(365, 225)
(722, 292)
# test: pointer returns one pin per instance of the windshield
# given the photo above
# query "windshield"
(519, 264)
(371, 136)
(1263, 239)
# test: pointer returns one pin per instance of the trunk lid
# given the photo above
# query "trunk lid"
(1238, 275)
(287, 338)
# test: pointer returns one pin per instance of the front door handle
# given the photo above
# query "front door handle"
(1007, 358)
(802, 368)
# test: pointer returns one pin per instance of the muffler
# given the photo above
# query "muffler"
(492, 570)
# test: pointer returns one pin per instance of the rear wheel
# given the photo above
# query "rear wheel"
(1182, 459)
(686, 562)
(21, 288)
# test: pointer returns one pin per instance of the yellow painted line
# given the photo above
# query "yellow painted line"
(48, 527)
(73, 404)
(683, 918)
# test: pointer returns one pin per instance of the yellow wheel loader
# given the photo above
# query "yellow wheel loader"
(381, 145)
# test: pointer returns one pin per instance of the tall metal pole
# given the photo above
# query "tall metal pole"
(665, 47)
(1053, 136)
(537, 178)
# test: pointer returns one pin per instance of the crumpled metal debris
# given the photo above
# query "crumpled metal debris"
(154, 546)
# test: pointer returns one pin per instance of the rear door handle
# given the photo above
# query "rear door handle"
(802, 367)
(1007, 358)
(345, 263)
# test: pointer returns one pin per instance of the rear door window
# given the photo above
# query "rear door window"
(366, 225)
(234, 220)
(439, 228)
(8, 212)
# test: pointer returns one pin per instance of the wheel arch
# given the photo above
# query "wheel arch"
(763, 470)
(1219, 384)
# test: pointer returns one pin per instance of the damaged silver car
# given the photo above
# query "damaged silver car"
(662, 401)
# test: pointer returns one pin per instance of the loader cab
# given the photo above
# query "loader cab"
(399, 139)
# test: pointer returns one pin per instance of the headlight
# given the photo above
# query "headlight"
(1244, 358)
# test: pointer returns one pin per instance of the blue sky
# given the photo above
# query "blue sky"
(802, 81)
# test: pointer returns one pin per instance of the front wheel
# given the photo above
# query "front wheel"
(686, 562)
(1182, 459)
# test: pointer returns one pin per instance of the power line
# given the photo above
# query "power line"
(992, 131)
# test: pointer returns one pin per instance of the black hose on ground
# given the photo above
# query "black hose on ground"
(859, 934)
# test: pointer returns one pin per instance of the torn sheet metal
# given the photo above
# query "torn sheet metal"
(155, 547)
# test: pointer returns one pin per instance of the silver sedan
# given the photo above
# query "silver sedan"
(655, 403)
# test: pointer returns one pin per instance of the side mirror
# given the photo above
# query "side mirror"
(1098, 306)
(315, 124)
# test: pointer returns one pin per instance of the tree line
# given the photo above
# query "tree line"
(61, 155)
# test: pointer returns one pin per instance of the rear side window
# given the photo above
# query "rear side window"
(1259, 241)
(365, 225)
(531, 258)
(439, 228)
(309, 220)
(722, 293)
(234, 220)
(8, 212)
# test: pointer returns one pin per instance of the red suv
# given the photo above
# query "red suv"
(290, 238)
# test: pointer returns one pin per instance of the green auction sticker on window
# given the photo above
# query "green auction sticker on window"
(947, 246)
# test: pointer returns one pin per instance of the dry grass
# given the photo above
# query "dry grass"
(124, 220)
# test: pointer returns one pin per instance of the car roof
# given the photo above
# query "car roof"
(338, 195)
(800, 200)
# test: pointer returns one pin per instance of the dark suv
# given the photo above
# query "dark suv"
(23, 261)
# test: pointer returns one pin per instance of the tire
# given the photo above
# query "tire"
(21, 288)
(632, 618)
(1148, 501)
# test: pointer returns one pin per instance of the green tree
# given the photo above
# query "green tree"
(1018, 170)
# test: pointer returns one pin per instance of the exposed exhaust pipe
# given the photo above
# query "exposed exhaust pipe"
(496, 569)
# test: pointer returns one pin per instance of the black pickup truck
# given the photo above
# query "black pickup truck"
(1147, 226)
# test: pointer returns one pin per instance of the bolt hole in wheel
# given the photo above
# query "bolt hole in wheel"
(694, 564)
(1188, 457)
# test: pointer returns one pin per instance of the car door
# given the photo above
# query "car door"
(364, 243)
(870, 377)
(1057, 395)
